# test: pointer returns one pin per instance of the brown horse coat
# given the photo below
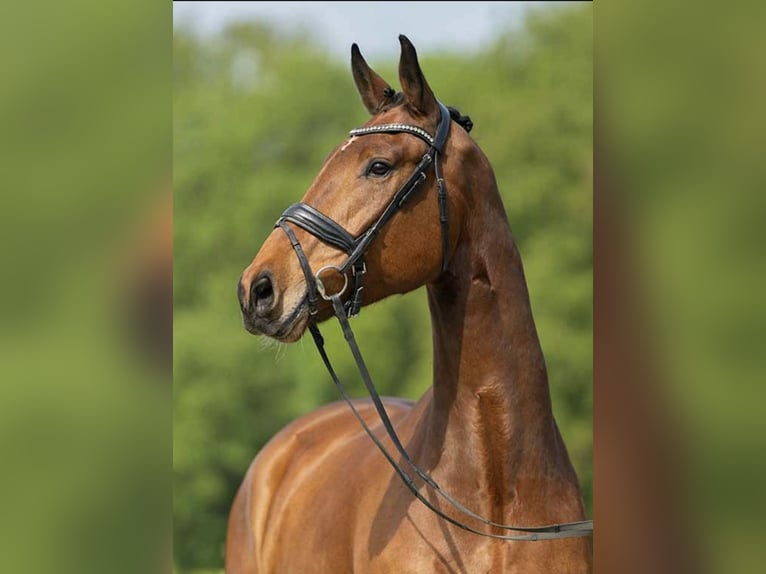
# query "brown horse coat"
(319, 497)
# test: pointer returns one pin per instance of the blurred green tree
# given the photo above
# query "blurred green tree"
(254, 114)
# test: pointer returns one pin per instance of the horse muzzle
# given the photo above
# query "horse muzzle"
(264, 311)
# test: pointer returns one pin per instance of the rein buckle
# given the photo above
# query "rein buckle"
(362, 271)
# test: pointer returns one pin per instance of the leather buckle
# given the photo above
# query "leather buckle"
(362, 271)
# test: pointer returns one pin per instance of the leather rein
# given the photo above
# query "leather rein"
(330, 232)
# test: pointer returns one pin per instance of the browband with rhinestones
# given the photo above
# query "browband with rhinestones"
(394, 128)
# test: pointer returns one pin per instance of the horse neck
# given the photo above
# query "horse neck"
(491, 404)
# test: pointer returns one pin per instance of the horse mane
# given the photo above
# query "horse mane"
(463, 121)
(396, 98)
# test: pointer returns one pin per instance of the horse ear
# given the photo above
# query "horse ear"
(414, 85)
(374, 90)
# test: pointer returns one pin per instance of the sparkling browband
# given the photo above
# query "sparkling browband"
(394, 128)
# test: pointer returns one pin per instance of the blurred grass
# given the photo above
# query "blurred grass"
(683, 135)
(84, 411)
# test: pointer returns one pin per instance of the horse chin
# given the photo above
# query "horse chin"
(289, 330)
(293, 332)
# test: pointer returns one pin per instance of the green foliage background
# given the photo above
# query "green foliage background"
(255, 112)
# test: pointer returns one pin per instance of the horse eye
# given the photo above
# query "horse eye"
(378, 169)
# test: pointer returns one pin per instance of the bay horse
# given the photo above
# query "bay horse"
(319, 497)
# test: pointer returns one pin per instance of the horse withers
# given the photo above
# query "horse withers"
(408, 201)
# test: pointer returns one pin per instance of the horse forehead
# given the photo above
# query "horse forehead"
(350, 140)
(366, 145)
(373, 141)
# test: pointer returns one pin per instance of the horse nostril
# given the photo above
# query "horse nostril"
(262, 294)
(262, 288)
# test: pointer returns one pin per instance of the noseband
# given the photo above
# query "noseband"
(332, 233)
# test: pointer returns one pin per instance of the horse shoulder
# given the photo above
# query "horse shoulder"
(277, 474)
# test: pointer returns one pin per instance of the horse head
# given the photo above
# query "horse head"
(356, 185)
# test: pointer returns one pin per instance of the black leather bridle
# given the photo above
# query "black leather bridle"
(329, 231)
